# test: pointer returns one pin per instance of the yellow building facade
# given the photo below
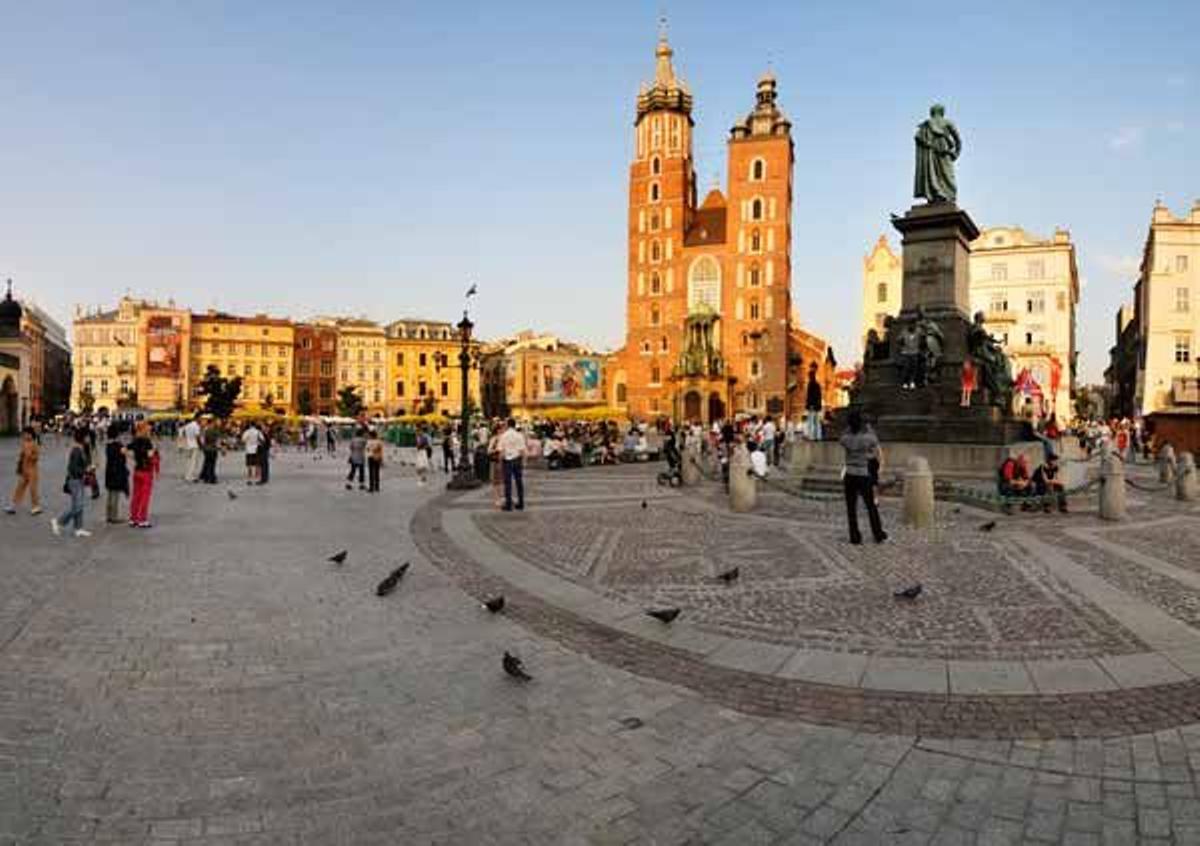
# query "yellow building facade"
(423, 368)
(259, 349)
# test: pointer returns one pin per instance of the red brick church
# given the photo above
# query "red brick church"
(709, 319)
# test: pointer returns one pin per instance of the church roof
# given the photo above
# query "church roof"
(708, 226)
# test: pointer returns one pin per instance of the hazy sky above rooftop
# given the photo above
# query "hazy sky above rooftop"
(374, 158)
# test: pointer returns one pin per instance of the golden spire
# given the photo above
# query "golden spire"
(664, 73)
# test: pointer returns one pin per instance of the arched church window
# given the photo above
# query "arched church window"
(655, 284)
(655, 315)
(756, 209)
(656, 165)
(654, 192)
(655, 251)
(758, 170)
(704, 285)
(664, 345)
(754, 309)
(755, 241)
(622, 393)
(653, 223)
(754, 276)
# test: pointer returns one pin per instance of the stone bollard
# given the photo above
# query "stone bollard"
(918, 493)
(1166, 464)
(1112, 488)
(690, 469)
(743, 487)
(1187, 487)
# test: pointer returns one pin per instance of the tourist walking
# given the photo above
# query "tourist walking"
(210, 439)
(447, 451)
(330, 439)
(512, 451)
(264, 455)
(116, 473)
(251, 440)
(27, 473)
(812, 406)
(374, 460)
(860, 447)
(79, 464)
(145, 468)
(497, 465)
(193, 457)
(422, 457)
(358, 457)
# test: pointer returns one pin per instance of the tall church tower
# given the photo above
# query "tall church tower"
(662, 199)
(758, 305)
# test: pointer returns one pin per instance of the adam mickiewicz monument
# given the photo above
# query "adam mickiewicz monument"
(910, 386)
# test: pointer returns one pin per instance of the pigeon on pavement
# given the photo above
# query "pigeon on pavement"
(513, 666)
(393, 578)
(911, 592)
(988, 526)
(666, 615)
(729, 576)
(495, 604)
(339, 557)
(229, 492)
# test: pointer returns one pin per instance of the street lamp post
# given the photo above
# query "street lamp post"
(464, 474)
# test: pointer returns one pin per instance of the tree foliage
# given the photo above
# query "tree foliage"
(220, 394)
(304, 402)
(349, 403)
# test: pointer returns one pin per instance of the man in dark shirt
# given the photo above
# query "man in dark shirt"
(1048, 485)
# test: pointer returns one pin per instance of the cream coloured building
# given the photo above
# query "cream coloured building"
(1166, 313)
(1028, 289)
(881, 287)
(105, 355)
(362, 361)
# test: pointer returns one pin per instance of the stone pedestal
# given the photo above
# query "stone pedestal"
(743, 488)
(1112, 488)
(689, 469)
(1187, 487)
(936, 241)
(918, 493)
(1166, 464)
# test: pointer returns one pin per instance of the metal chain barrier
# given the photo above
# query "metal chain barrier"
(1142, 486)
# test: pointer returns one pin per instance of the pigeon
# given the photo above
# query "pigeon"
(988, 526)
(389, 584)
(472, 291)
(729, 576)
(911, 592)
(513, 666)
(495, 604)
(631, 723)
(339, 557)
(229, 492)
(643, 503)
(666, 615)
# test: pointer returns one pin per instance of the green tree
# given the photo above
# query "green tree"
(304, 402)
(349, 403)
(129, 399)
(220, 394)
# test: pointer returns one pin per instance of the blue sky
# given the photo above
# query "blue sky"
(299, 158)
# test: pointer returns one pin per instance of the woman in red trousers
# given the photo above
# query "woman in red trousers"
(145, 468)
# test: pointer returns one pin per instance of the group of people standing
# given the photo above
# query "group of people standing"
(81, 482)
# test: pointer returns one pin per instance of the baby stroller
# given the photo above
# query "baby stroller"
(672, 476)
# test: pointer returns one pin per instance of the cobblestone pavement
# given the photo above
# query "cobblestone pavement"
(216, 681)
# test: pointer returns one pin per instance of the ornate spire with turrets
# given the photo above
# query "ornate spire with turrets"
(668, 92)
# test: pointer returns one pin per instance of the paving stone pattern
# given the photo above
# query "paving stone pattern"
(216, 681)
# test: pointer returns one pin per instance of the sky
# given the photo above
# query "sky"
(377, 158)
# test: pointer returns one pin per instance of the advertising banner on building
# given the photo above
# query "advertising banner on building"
(162, 347)
(576, 379)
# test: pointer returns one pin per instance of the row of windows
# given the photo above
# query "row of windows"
(362, 375)
(423, 389)
(304, 367)
(758, 169)
(377, 355)
(1034, 269)
(89, 359)
(439, 359)
(97, 337)
(1035, 302)
(232, 348)
(231, 369)
(327, 344)
(89, 387)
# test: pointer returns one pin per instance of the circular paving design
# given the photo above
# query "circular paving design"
(1046, 626)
